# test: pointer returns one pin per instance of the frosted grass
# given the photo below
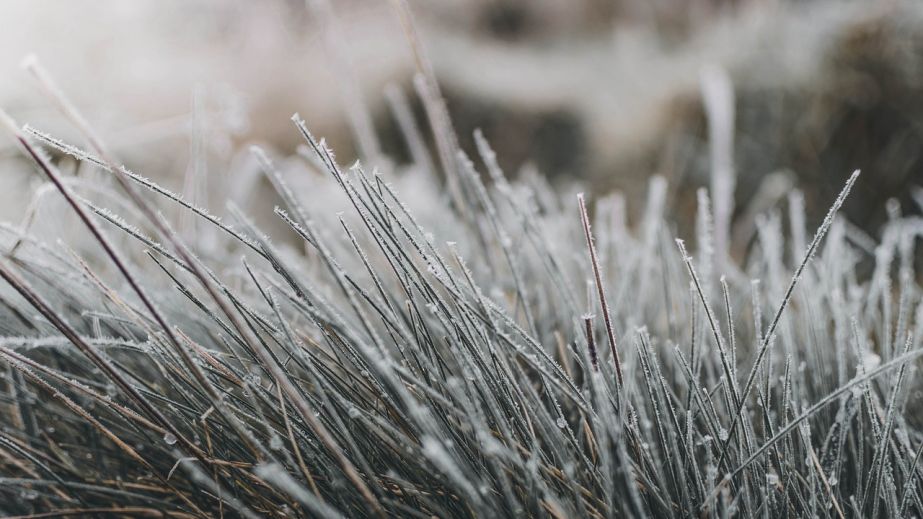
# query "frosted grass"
(399, 361)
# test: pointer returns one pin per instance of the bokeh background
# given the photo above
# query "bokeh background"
(602, 92)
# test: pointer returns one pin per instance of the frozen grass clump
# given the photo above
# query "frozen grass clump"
(517, 353)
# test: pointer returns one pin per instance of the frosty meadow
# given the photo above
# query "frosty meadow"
(440, 340)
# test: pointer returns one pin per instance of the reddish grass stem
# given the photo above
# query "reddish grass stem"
(599, 287)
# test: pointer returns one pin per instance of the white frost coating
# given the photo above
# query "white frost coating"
(718, 97)
(870, 360)
(437, 454)
(169, 438)
(9, 123)
(796, 221)
(275, 442)
(704, 234)
(276, 475)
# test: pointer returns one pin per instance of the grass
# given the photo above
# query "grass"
(549, 360)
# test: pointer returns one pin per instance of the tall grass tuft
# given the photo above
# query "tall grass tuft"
(506, 351)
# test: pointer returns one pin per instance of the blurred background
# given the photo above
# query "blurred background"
(602, 92)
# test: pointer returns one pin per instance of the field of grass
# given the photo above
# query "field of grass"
(468, 346)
